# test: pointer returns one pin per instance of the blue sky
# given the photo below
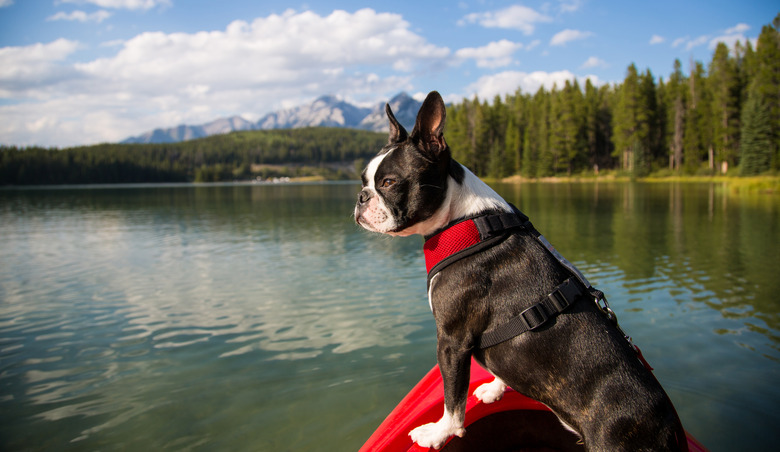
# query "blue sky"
(88, 71)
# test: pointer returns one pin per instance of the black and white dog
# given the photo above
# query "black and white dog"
(577, 363)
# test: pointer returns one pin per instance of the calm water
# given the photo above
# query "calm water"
(260, 318)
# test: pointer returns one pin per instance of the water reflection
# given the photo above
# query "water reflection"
(223, 317)
(696, 238)
(109, 295)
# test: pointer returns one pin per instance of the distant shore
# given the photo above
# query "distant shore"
(752, 184)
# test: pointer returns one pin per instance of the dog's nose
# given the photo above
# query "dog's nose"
(364, 196)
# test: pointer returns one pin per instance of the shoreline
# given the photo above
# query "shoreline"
(761, 184)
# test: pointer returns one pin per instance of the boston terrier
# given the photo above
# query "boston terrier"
(499, 293)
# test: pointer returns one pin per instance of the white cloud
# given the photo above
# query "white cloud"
(739, 28)
(656, 39)
(489, 86)
(570, 6)
(496, 54)
(679, 41)
(81, 16)
(697, 42)
(532, 45)
(34, 71)
(515, 17)
(5, 3)
(594, 62)
(731, 36)
(121, 4)
(160, 80)
(690, 43)
(568, 35)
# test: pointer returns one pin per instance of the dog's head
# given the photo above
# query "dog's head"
(405, 185)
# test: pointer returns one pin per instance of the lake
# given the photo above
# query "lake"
(261, 318)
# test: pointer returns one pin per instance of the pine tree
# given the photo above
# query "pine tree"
(631, 123)
(675, 113)
(513, 143)
(723, 79)
(535, 137)
(766, 83)
(757, 135)
(697, 141)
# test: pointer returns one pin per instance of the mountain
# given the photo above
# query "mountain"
(405, 109)
(185, 133)
(325, 111)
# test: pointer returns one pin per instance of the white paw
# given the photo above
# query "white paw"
(435, 434)
(491, 392)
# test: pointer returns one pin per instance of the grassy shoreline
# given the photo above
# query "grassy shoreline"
(766, 184)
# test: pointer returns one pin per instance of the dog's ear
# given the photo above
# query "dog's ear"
(428, 130)
(397, 131)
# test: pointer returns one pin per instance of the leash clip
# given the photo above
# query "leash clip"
(603, 305)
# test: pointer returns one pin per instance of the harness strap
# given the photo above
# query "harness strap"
(537, 315)
(465, 237)
(468, 236)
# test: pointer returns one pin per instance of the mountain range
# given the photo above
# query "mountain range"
(325, 111)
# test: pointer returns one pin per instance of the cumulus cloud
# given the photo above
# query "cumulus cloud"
(515, 17)
(562, 37)
(496, 54)
(489, 86)
(81, 16)
(36, 70)
(157, 79)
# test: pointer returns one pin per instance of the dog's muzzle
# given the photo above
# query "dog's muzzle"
(364, 196)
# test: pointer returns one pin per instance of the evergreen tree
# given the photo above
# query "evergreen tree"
(723, 79)
(757, 135)
(631, 123)
(697, 141)
(766, 82)
(675, 113)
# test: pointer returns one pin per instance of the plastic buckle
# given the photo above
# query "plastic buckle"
(535, 316)
(559, 300)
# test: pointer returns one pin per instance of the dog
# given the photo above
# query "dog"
(576, 361)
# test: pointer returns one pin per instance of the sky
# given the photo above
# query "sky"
(79, 72)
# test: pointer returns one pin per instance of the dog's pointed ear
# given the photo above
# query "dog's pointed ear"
(428, 130)
(397, 131)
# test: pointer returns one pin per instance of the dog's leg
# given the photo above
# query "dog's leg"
(454, 365)
(491, 392)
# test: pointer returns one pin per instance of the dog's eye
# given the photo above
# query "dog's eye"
(388, 183)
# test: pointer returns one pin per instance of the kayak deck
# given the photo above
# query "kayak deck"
(514, 423)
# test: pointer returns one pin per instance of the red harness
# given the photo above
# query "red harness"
(450, 241)
(469, 236)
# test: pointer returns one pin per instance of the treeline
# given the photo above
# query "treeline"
(705, 121)
(239, 155)
(722, 118)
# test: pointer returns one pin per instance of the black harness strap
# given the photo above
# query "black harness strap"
(555, 303)
(537, 315)
(490, 230)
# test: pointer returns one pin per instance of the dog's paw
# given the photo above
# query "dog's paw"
(490, 392)
(435, 434)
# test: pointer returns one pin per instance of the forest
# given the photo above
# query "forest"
(722, 118)
(234, 156)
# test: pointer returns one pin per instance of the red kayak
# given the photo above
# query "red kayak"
(513, 423)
